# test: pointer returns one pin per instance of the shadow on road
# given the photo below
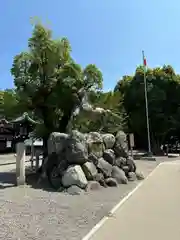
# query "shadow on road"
(172, 156)
(7, 179)
(32, 179)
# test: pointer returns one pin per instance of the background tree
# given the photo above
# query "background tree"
(10, 106)
(163, 99)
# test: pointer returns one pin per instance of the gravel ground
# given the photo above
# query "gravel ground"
(29, 213)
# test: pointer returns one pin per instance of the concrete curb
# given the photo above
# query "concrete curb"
(148, 158)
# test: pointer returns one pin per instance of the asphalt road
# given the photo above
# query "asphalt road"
(151, 212)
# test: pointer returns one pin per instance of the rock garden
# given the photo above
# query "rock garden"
(78, 162)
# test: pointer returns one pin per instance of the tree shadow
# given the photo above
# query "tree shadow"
(34, 181)
(172, 155)
(8, 180)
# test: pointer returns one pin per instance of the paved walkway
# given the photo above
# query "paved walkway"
(151, 212)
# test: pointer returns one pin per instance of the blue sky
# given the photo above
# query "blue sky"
(109, 33)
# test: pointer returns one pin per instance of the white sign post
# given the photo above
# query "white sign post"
(20, 163)
(8, 144)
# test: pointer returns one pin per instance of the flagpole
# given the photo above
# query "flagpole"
(147, 110)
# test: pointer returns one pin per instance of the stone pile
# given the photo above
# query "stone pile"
(83, 162)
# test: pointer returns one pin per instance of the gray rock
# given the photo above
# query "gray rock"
(132, 176)
(100, 178)
(62, 166)
(57, 142)
(120, 151)
(74, 175)
(104, 167)
(139, 176)
(119, 175)
(120, 162)
(93, 186)
(103, 183)
(126, 169)
(122, 139)
(97, 149)
(95, 144)
(55, 170)
(76, 152)
(95, 137)
(61, 189)
(81, 137)
(121, 145)
(109, 140)
(131, 164)
(53, 167)
(109, 156)
(93, 158)
(111, 182)
(74, 190)
(89, 170)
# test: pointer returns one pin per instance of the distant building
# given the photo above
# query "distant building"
(6, 136)
(10, 131)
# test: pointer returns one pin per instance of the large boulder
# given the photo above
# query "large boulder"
(74, 190)
(74, 175)
(57, 142)
(92, 158)
(100, 178)
(81, 137)
(122, 139)
(131, 164)
(76, 152)
(132, 176)
(120, 162)
(109, 140)
(104, 167)
(111, 182)
(90, 170)
(95, 144)
(126, 169)
(93, 186)
(121, 145)
(94, 137)
(139, 175)
(119, 175)
(109, 156)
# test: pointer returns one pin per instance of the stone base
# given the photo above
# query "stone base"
(20, 181)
